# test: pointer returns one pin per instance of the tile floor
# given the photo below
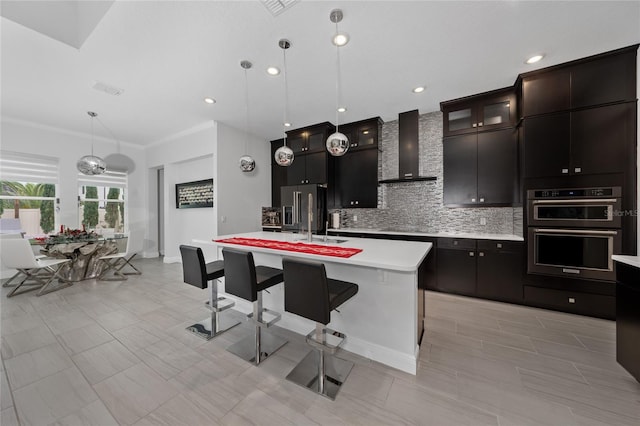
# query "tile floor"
(104, 353)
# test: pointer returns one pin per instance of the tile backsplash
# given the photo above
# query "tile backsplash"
(418, 205)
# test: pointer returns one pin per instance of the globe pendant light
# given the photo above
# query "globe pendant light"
(284, 154)
(247, 163)
(337, 143)
(90, 164)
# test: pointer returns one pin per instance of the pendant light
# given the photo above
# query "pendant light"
(284, 154)
(247, 164)
(337, 143)
(90, 164)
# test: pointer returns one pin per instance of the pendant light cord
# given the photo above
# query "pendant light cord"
(92, 118)
(110, 132)
(286, 95)
(246, 110)
(337, 82)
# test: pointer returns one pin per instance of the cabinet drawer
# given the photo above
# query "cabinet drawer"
(568, 301)
(492, 245)
(457, 243)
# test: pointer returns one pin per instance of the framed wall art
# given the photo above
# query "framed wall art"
(194, 194)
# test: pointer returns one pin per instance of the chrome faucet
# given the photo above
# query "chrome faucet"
(309, 217)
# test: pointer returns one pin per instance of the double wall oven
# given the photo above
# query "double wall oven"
(574, 232)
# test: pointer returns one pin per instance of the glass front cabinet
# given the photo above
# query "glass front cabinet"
(487, 111)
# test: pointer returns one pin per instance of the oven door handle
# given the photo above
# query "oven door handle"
(584, 201)
(574, 231)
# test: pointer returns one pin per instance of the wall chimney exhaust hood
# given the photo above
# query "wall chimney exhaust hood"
(408, 152)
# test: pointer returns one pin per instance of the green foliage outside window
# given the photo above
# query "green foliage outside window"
(111, 214)
(46, 209)
(90, 215)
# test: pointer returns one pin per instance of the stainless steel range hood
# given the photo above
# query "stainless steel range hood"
(408, 152)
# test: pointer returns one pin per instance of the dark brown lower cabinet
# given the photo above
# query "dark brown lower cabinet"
(596, 305)
(457, 266)
(482, 268)
(628, 318)
(500, 267)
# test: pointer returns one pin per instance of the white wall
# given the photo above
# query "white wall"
(211, 150)
(241, 195)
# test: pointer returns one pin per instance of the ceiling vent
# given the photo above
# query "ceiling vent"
(104, 87)
(276, 7)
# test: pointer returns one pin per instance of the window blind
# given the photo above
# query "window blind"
(19, 167)
(110, 179)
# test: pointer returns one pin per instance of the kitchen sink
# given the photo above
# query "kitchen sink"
(317, 239)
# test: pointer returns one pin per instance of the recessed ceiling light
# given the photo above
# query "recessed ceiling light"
(534, 59)
(365, 132)
(210, 100)
(287, 124)
(418, 89)
(342, 109)
(273, 70)
(340, 39)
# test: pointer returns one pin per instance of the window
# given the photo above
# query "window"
(28, 192)
(102, 201)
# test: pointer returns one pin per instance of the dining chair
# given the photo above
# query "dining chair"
(117, 261)
(18, 254)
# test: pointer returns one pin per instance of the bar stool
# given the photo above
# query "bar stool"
(198, 273)
(310, 294)
(247, 281)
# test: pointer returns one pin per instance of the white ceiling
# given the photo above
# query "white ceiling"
(169, 55)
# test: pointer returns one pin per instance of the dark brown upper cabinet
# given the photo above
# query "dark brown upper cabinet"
(309, 139)
(355, 183)
(362, 134)
(597, 80)
(481, 169)
(486, 111)
(278, 175)
(309, 168)
(587, 141)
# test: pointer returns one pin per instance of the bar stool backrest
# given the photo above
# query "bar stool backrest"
(194, 269)
(240, 274)
(306, 292)
(17, 254)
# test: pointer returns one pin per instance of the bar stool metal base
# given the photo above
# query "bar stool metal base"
(246, 348)
(216, 324)
(306, 375)
(205, 330)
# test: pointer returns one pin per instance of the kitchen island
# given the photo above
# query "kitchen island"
(383, 321)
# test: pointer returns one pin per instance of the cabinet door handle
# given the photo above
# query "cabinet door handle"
(473, 200)
(480, 124)
(473, 125)
(482, 200)
(356, 203)
(471, 254)
(481, 254)
(578, 170)
(498, 245)
(565, 171)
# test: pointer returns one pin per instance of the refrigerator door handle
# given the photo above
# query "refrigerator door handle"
(296, 207)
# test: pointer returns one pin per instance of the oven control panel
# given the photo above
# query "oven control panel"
(574, 193)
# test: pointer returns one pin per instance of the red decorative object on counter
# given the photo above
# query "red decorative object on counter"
(321, 250)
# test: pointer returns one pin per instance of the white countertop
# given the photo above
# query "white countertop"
(392, 255)
(629, 260)
(470, 235)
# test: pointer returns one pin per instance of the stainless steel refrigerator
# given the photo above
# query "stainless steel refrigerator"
(295, 207)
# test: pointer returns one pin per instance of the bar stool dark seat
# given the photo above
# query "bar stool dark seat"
(247, 281)
(310, 294)
(198, 273)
